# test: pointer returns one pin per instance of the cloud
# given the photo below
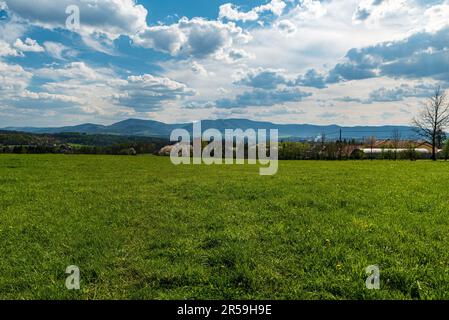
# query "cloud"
(167, 39)
(350, 71)
(436, 16)
(45, 96)
(60, 88)
(422, 64)
(195, 105)
(109, 17)
(7, 50)
(232, 12)
(308, 10)
(58, 50)
(11, 29)
(312, 79)
(376, 11)
(349, 99)
(29, 45)
(272, 78)
(263, 98)
(329, 115)
(79, 71)
(274, 6)
(148, 92)
(423, 54)
(14, 83)
(198, 69)
(366, 8)
(394, 94)
(264, 79)
(239, 54)
(195, 37)
(286, 27)
(13, 80)
(101, 91)
(401, 92)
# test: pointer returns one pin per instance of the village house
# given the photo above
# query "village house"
(381, 147)
(403, 145)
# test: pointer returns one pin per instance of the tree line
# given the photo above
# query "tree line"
(77, 143)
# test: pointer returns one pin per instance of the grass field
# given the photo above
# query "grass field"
(141, 228)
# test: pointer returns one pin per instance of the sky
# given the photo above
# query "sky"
(346, 62)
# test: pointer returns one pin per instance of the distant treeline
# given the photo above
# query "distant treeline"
(346, 150)
(77, 143)
(81, 143)
(355, 150)
(336, 150)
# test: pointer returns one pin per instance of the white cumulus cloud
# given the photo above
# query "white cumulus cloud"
(58, 50)
(195, 37)
(29, 45)
(286, 27)
(109, 17)
(13, 79)
(148, 92)
(7, 50)
(232, 12)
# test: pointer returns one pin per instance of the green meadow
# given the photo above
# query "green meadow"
(142, 228)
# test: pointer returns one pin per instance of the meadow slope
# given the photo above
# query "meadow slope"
(141, 228)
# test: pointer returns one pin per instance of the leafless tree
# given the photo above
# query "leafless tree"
(441, 138)
(371, 142)
(396, 139)
(433, 119)
(323, 140)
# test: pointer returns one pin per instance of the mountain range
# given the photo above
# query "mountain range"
(150, 128)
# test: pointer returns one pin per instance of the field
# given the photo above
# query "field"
(141, 228)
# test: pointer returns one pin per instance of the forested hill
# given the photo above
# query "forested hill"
(150, 128)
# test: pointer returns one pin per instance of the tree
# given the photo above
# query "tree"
(371, 142)
(411, 150)
(323, 140)
(433, 120)
(446, 150)
(441, 137)
(396, 139)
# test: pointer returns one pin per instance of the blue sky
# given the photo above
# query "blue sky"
(351, 62)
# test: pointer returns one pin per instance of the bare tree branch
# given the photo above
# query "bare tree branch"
(433, 119)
